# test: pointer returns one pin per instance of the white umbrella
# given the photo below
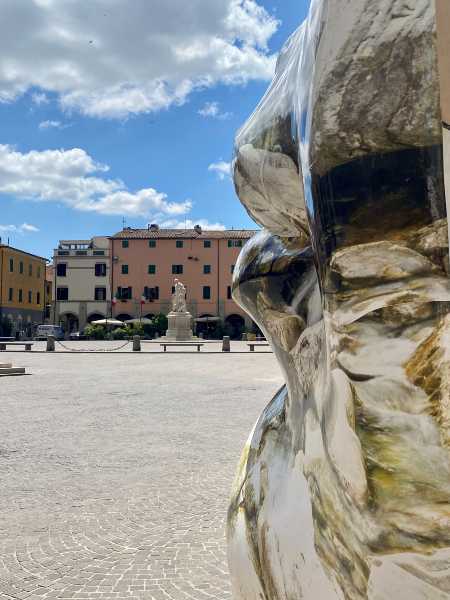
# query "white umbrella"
(112, 322)
(144, 321)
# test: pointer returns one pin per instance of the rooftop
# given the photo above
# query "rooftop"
(22, 251)
(197, 233)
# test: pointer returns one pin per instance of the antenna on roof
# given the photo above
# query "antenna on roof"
(124, 222)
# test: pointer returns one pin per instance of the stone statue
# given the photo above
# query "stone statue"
(343, 490)
(179, 319)
(179, 297)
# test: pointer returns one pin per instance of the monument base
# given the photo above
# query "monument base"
(180, 327)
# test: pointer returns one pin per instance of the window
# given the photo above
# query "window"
(81, 252)
(206, 292)
(63, 253)
(124, 293)
(38, 298)
(125, 243)
(98, 253)
(100, 293)
(206, 269)
(232, 269)
(151, 269)
(30, 270)
(11, 265)
(206, 243)
(177, 269)
(152, 243)
(61, 270)
(62, 293)
(20, 296)
(30, 297)
(124, 269)
(179, 244)
(38, 274)
(229, 296)
(234, 243)
(100, 269)
(151, 293)
(21, 266)
(10, 294)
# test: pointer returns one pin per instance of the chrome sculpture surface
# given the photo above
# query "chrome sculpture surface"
(343, 491)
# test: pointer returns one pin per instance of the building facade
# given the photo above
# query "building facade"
(145, 263)
(22, 289)
(81, 282)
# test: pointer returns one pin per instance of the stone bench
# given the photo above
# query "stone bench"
(27, 345)
(256, 345)
(171, 344)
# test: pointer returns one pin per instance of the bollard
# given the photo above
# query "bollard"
(226, 344)
(136, 343)
(50, 343)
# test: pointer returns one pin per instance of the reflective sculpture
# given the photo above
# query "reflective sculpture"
(343, 491)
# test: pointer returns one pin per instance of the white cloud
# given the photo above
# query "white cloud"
(51, 125)
(39, 98)
(190, 224)
(73, 178)
(212, 109)
(123, 57)
(222, 168)
(24, 228)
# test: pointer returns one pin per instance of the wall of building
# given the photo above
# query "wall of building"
(22, 313)
(193, 256)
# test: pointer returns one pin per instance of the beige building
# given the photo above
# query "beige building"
(81, 282)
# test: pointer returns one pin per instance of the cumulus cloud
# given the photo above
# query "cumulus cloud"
(75, 179)
(221, 168)
(123, 57)
(24, 228)
(190, 224)
(212, 110)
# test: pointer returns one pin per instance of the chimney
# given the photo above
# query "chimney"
(198, 229)
(153, 227)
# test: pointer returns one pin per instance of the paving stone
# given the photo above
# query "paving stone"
(116, 472)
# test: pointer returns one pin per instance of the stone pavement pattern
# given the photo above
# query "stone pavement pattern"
(115, 472)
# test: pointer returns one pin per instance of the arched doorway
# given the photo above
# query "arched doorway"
(236, 326)
(206, 325)
(69, 322)
(123, 317)
(95, 317)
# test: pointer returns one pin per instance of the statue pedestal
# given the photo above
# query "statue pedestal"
(180, 327)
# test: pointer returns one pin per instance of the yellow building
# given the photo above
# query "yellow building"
(22, 289)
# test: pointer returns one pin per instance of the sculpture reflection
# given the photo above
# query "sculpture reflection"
(344, 486)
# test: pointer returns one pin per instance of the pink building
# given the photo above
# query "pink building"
(145, 263)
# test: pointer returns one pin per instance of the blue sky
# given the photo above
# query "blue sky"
(89, 138)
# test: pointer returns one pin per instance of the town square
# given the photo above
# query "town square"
(224, 300)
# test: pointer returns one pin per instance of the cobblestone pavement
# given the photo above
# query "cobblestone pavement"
(115, 472)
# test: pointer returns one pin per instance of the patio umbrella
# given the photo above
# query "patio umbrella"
(112, 322)
(143, 321)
